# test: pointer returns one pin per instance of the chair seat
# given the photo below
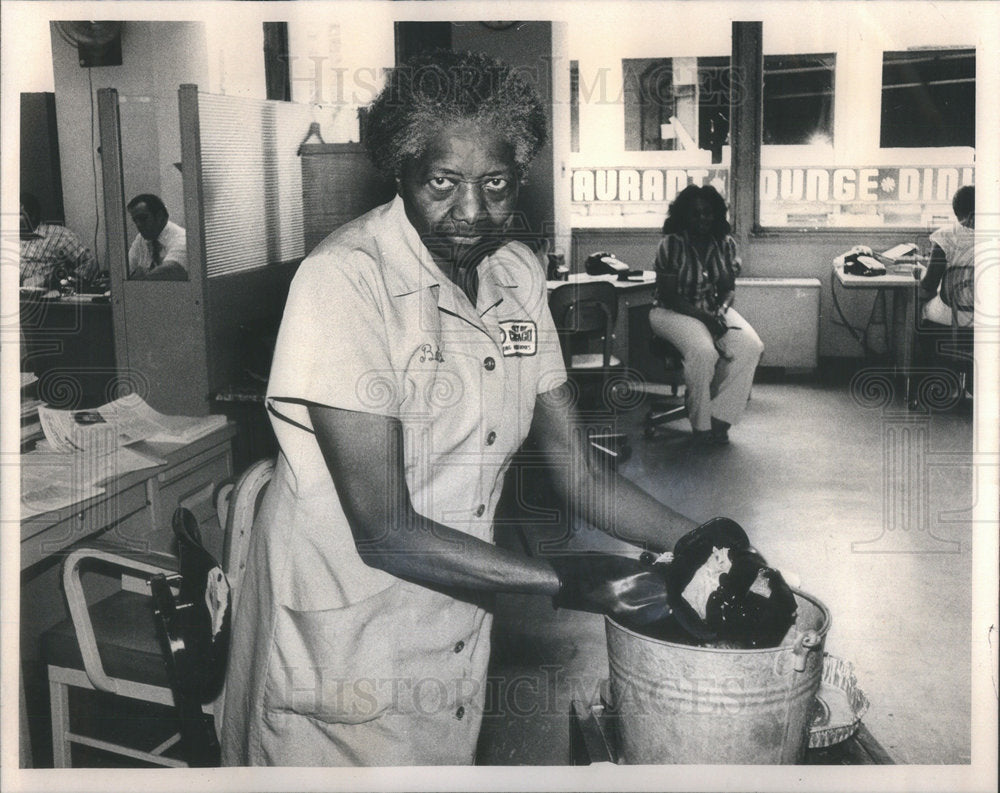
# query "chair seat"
(593, 361)
(128, 643)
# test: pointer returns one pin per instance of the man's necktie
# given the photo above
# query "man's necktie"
(155, 249)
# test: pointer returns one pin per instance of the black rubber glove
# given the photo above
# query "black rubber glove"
(628, 590)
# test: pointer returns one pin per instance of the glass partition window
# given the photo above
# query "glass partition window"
(928, 99)
(676, 104)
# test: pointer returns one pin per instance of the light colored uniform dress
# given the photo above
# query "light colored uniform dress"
(334, 662)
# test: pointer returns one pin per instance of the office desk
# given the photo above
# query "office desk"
(631, 294)
(899, 317)
(139, 504)
(134, 510)
(69, 340)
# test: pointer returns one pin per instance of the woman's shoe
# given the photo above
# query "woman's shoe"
(719, 432)
(708, 438)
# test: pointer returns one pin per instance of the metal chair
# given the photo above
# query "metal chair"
(584, 315)
(960, 286)
(115, 644)
(947, 365)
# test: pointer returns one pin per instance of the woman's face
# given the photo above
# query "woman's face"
(701, 217)
(461, 193)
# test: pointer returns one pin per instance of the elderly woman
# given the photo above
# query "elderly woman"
(415, 352)
(696, 269)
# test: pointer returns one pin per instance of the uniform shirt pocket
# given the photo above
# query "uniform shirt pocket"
(336, 665)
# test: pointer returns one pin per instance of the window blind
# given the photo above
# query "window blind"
(251, 180)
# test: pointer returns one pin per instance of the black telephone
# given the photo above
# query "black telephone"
(861, 261)
(604, 263)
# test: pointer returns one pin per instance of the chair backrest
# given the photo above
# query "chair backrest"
(584, 310)
(958, 290)
(244, 499)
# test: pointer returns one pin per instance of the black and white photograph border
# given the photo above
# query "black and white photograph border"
(914, 611)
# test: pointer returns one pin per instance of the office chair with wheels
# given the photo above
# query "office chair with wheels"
(584, 315)
(665, 411)
(116, 644)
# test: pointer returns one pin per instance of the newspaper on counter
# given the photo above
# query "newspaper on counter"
(121, 422)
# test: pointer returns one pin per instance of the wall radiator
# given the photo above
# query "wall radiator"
(785, 314)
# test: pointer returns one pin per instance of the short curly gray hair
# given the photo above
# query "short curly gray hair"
(442, 87)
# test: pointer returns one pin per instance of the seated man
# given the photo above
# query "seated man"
(159, 251)
(50, 252)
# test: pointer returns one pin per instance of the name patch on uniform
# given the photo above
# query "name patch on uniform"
(520, 337)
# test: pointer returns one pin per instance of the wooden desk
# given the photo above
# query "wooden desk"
(631, 294)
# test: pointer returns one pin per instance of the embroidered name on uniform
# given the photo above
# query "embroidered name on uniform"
(520, 337)
(428, 353)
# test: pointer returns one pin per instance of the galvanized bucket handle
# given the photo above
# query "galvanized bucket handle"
(804, 642)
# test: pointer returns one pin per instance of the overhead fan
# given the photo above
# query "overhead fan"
(98, 43)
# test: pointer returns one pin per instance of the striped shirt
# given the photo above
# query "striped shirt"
(51, 248)
(704, 284)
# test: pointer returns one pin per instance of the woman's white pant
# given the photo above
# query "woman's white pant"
(715, 387)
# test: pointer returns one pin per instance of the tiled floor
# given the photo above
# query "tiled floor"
(868, 504)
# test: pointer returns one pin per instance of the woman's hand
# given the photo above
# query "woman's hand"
(604, 583)
(716, 325)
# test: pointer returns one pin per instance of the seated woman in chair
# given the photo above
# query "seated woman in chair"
(696, 269)
(947, 288)
(952, 251)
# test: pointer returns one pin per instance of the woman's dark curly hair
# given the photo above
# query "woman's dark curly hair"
(441, 87)
(680, 210)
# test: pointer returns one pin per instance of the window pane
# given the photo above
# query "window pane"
(928, 99)
(676, 104)
(900, 172)
(798, 99)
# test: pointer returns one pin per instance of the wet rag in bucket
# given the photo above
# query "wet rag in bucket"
(722, 593)
(730, 679)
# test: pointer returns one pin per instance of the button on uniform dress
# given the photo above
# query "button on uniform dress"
(334, 662)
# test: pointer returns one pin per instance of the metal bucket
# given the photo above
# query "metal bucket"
(675, 703)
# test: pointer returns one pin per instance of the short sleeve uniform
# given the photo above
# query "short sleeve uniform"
(335, 662)
(958, 243)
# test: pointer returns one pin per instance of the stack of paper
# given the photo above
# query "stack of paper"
(905, 250)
